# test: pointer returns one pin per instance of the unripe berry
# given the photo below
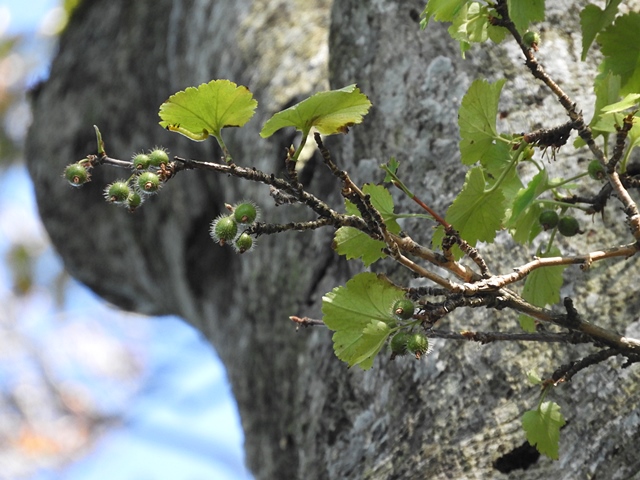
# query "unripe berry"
(403, 308)
(245, 212)
(418, 344)
(223, 229)
(158, 156)
(118, 192)
(244, 243)
(134, 201)
(148, 183)
(531, 40)
(76, 174)
(596, 170)
(548, 219)
(141, 161)
(568, 226)
(399, 344)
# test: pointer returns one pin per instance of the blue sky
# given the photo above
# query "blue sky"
(180, 420)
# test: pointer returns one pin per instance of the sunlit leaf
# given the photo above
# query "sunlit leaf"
(620, 45)
(207, 109)
(593, 19)
(329, 112)
(360, 314)
(524, 12)
(542, 426)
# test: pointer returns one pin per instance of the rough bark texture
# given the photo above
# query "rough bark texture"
(305, 415)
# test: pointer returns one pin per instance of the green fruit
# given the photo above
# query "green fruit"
(134, 201)
(76, 174)
(148, 183)
(158, 156)
(596, 170)
(245, 212)
(244, 243)
(224, 229)
(399, 344)
(403, 308)
(568, 226)
(141, 161)
(418, 344)
(118, 192)
(531, 39)
(548, 219)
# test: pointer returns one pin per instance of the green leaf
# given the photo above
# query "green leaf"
(329, 112)
(542, 286)
(527, 227)
(360, 314)
(629, 101)
(392, 165)
(207, 109)
(526, 196)
(607, 90)
(353, 243)
(441, 10)
(477, 214)
(593, 19)
(524, 12)
(542, 427)
(620, 45)
(496, 160)
(477, 120)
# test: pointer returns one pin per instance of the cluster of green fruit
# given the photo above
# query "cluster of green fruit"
(566, 224)
(405, 342)
(145, 180)
(225, 229)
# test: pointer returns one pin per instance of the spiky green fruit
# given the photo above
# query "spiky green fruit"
(158, 156)
(76, 174)
(403, 308)
(568, 226)
(134, 201)
(245, 212)
(398, 344)
(596, 170)
(141, 161)
(223, 229)
(148, 183)
(244, 243)
(418, 344)
(118, 192)
(548, 219)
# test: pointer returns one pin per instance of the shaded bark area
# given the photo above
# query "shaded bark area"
(305, 415)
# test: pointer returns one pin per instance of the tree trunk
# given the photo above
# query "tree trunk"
(455, 414)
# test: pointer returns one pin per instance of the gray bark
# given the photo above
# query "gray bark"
(305, 415)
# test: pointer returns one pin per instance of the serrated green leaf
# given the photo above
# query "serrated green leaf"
(593, 19)
(496, 159)
(441, 10)
(329, 112)
(476, 214)
(524, 12)
(526, 196)
(353, 243)
(477, 120)
(527, 227)
(360, 313)
(542, 286)
(542, 427)
(207, 109)
(620, 45)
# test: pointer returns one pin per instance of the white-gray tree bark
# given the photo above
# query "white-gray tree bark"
(305, 415)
